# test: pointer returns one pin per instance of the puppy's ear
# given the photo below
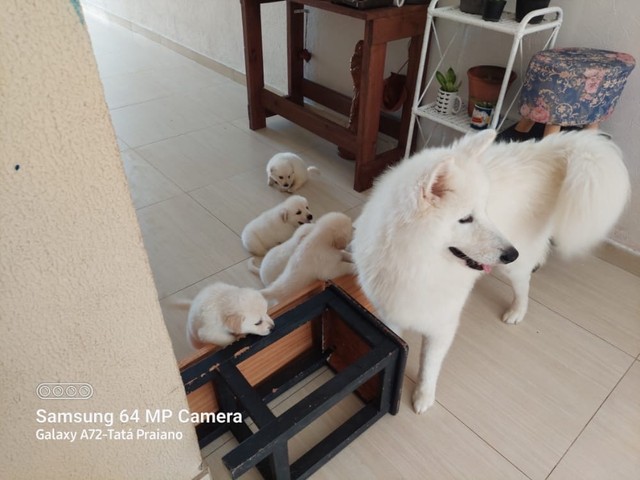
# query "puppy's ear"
(284, 215)
(233, 322)
(435, 185)
(271, 181)
(340, 242)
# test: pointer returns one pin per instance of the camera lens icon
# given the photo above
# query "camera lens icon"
(64, 391)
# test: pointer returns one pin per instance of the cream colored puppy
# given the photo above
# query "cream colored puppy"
(276, 259)
(275, 225)
(287, 172)
(319, 256)
(221, 313)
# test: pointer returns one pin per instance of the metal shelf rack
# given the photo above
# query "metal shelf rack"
(506, 25)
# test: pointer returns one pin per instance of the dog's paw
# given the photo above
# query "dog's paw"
(422, 401)
(513, 316)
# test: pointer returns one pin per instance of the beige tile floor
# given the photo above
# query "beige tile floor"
(556, 397)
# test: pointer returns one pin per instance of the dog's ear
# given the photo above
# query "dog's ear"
(271, 180)
(434, 187)
(476, 143)
(284, 215)
(233, 321)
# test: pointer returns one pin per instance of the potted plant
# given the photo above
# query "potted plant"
(525, 6)
(485, 82)
(482, 115)
(493, 10)
(448, 101)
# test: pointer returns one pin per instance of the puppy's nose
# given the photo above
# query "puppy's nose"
(285, 184)
(509, 255)
(309, 217)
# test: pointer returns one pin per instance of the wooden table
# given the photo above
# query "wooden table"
(382, 25)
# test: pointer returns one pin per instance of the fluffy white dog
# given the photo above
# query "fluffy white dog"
(275, 261)
(275, 225)
(319, 256)
(437, 221)
(221, 313)
(288, 172)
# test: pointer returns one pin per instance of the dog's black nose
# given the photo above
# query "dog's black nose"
(309, 217)
(285, 184)
(509, 255)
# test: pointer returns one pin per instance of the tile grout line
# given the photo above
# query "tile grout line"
(571, 321)
(590, 419)
(476, 434)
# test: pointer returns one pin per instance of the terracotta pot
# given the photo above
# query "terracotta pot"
(525, 6)
(484, 84)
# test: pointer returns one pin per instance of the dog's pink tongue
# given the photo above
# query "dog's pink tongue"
(487, 268)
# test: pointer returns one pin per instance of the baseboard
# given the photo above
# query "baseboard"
(203, 60)
(620, 256)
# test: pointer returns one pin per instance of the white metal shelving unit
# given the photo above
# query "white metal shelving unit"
(507, 25)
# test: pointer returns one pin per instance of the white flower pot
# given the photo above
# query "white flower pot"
(448, 103)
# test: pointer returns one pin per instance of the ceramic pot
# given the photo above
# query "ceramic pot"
(448, 103)
(525, 6)
(493, 10)
(484, 84)
(481, 117)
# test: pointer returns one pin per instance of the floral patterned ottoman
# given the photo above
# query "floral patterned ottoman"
(574, 86)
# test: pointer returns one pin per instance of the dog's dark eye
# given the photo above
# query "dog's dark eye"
(298, 212)
(467, 219)
(259, 322)
(280, 177)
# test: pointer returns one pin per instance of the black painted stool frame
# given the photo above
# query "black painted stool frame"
(381, 367)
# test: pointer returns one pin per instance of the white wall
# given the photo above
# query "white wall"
(77, 298)
(214, 29)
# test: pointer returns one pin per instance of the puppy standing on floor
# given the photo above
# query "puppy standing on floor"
(220, 313)
(275, 261)
(319, 256)
(288, 172)
(275, 225)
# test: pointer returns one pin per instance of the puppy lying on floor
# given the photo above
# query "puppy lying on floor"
(276, 259)
(221, 313)
(275, 225)
(288, 172)
(319, 256)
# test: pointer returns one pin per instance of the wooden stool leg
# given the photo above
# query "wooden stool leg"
(524, 125)
(550, 128)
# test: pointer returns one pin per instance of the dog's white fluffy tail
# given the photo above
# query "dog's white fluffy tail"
(313, 169)
(592, 197)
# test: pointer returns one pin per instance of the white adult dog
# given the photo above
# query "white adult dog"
(275, 225)
(436, 221)
(275, 261)
(221, 313)
(288, 172)
(319, 256)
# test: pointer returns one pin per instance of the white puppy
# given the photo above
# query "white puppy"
(319, 256)
(276, 259)
(275, 225)
(288, 172)
(221, 313)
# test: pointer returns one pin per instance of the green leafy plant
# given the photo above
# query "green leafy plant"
(447, 80)
(485, 104)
